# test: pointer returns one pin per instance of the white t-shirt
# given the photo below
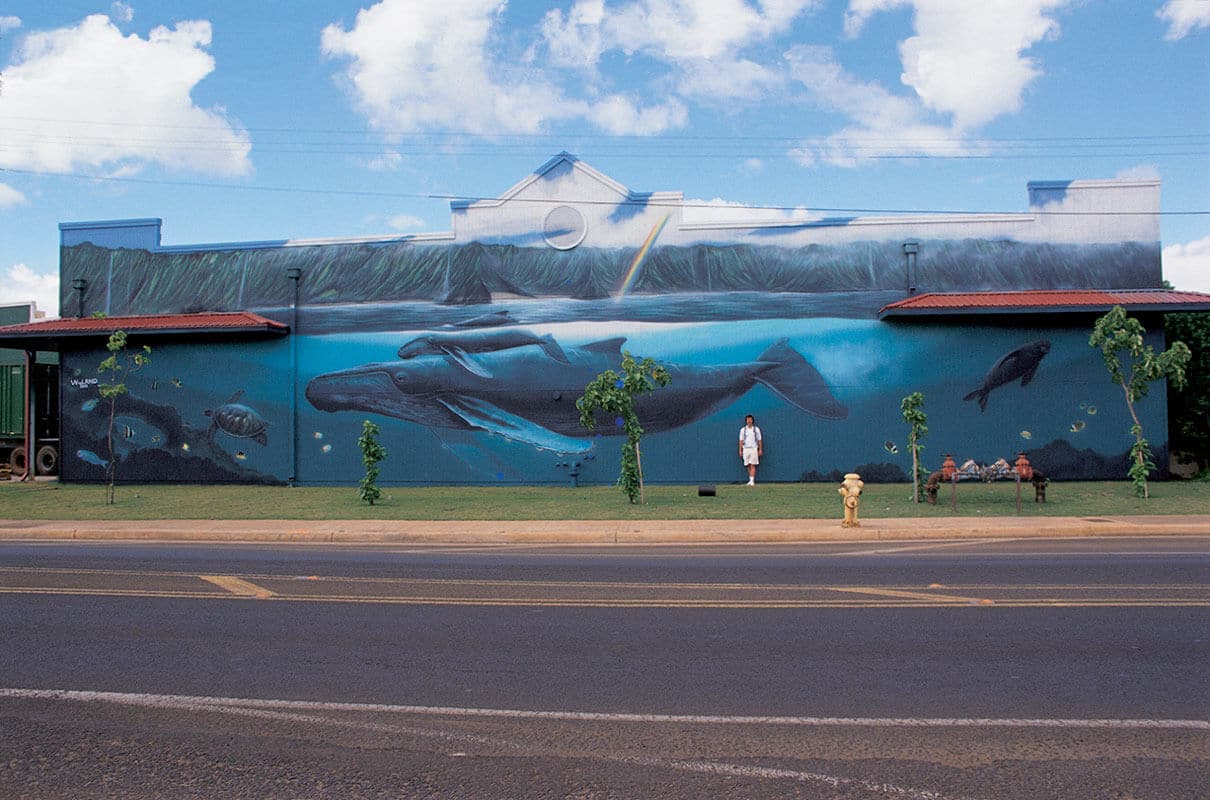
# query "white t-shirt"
(749, 437)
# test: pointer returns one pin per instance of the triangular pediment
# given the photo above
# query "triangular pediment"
(567, 176)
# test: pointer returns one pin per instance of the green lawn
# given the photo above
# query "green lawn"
(51, 500)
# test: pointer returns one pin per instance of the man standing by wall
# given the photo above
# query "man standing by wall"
(751, 447)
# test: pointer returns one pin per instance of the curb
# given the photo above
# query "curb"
(596, 531)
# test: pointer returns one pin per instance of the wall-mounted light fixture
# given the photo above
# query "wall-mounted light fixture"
(910, 249)
(80, 286)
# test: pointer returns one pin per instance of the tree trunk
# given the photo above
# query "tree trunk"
(1138, 437)
(638, 459)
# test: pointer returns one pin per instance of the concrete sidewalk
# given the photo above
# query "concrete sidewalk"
(599, 531)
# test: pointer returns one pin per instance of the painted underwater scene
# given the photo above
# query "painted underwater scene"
(825, 391)
(486, 394)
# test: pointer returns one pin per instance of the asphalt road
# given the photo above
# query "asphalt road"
(977, 669)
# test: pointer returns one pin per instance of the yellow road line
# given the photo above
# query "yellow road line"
(562, 602)
(939, 598)
(238, 586)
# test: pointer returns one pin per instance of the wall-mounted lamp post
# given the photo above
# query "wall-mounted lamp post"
(910, 249)
(80, 286)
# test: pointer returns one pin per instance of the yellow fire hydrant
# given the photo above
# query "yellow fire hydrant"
(850, 490)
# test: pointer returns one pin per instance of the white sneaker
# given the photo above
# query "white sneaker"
(752, 481)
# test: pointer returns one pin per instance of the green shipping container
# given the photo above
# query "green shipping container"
(12, 400)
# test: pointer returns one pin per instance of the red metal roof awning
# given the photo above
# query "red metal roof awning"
(1045, 301)
(47, 335)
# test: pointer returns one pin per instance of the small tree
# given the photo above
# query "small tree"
(1117, 334)
(615, 394)
(371, 453)
(120, 360)
(1189, 407)
(912, 407)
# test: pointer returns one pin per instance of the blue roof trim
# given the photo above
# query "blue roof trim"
(144, 234)
(1045, 193)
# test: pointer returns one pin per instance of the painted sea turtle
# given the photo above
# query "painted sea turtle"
(238, 420)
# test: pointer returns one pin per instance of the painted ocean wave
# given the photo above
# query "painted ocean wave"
(687, 307)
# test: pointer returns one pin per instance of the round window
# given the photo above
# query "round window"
(564, 228)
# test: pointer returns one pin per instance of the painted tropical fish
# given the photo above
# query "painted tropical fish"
(461, 346)
(528, 396)
(1021, 363)
(92, 458)
(238, 420)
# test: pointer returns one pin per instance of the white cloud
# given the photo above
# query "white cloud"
(10, 196)
(725, 211)
(861, 10)
(21, 284)
(965, 65)
(1184, 17)
(620, 116)
(967, 59)
(699, 44)
(405, 222)
(1139, 172)
(122, 12)
(8, 23)
(133, 92)
(386, 161)
(453, 66)
(1187, 266)
(887, 124)
(431, 66)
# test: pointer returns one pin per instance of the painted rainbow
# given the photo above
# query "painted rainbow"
(633, 273)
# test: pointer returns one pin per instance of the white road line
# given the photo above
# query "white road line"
(176, 701)
(931, 546)
(255, 709)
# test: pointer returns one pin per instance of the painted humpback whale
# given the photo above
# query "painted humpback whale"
(461, 346)
(530, 397)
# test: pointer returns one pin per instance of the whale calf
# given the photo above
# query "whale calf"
(463, 346)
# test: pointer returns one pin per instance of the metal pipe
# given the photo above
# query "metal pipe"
(910, 249)
(295, 275)
(29, 417)
(80, 285)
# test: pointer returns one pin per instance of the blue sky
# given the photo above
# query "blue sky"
(238, 121)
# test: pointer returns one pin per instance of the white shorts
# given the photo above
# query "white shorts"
(750, 456)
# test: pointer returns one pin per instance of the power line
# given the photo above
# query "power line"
(625, 138)
(642, 202)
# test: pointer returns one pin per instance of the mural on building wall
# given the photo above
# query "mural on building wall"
(471, 353)
(178, 421)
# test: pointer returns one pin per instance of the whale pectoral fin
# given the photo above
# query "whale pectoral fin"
(1029, 373)
(493, 419)
(462, 359)
(552, 349)
(607, 346)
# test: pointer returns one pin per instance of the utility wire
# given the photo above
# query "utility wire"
(639, 202)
